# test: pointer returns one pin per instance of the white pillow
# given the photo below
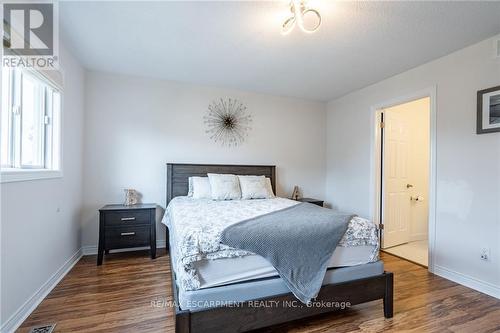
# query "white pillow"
(200, 188)
(224, 187)
(255, 187)
(269, 187)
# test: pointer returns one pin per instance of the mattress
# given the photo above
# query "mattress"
(230, 295)
(200, 261)
(223, 271)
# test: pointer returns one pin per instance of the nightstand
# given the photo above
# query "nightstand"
(311, 200)
(123, 226)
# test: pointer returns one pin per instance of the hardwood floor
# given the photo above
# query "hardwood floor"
(114, 297)
(127, 294)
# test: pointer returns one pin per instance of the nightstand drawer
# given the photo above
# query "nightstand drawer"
(130, 236)
(122, 218)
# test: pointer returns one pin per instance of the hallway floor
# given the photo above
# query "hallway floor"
(415, 251)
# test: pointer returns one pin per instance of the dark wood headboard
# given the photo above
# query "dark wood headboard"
(178, 174)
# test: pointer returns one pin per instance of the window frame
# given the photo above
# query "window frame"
(52, 146)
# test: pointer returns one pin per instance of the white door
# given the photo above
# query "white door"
(396, 184)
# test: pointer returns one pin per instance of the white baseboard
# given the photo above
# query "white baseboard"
(89, 250)
(468, 281)
(92, 249)
(25, 310)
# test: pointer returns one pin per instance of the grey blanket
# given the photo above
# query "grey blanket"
(298, 241)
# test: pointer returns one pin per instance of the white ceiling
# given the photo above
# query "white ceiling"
(237, 44)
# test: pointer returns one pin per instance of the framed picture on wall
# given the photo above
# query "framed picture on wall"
(488, 110)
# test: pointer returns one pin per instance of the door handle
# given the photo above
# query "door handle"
(409, 185)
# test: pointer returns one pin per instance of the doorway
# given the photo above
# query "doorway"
(405, 153)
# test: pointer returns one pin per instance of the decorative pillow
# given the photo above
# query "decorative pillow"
(255, 187)
(224, 187)
(200, 188)
(269, 187)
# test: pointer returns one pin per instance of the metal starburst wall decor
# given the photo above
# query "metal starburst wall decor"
(228, 122)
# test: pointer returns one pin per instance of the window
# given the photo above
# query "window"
(30, 126)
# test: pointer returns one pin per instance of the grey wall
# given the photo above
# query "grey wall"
(133, 126)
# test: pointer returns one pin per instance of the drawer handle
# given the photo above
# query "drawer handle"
(128, 218)
(127, 233)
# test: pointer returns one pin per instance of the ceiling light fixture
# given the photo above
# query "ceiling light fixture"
(299, 11)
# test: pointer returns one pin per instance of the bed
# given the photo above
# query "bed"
(242, 288)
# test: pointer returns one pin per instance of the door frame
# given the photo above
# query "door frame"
(376, 159)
